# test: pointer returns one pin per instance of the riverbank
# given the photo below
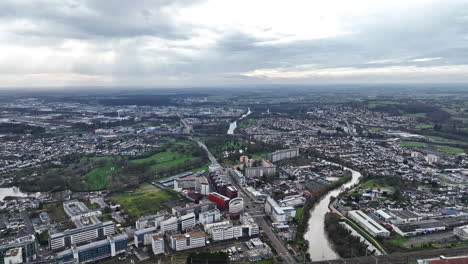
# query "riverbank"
(301, 243)
(344, 242)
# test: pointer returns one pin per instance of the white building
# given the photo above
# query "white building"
(157, 244)
(180, 242)
(13, 256)
(369, 224)
(461, 232)
(169, 225)
(187, 221)
(431, 158)
(277, 213)
(209, 217)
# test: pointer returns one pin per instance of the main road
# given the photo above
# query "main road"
(258, 215)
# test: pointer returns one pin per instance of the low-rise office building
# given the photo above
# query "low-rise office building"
(81, 235)
(95, 251)
(186, 241)
(369, 224)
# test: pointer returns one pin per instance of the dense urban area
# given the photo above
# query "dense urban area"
(324, 175)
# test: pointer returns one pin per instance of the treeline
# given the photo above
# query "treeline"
(345, 244)
(207, 258)
(7, 128)
(217, 128)
(433, 113)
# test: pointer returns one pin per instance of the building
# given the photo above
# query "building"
(461, 232)
(236, 207)
(186, 241)
(80, 235)
(267, 169)
(157, 244)
(139, 235)
(169, 225)
(257, 250)
(404, 216)
(151, 220)
(199, 184)
(419, 227)
(250, 223)
(13, 256)
(76, 210)
(186, 221)
(431, 158)
(95, 251)
(368, 224)
(221, 201)
(27, 244)
(283, 154)
(277, 213)
(202, 206)
(209, 217)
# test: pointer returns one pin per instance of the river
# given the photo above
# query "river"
(14, 191)
(233, 125)
(319, 246)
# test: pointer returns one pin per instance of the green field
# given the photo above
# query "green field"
(376, 129)
(166, 158)
(412, 144)
(377, 103)
(373, 184)
(298, 213)
(424, 126)
(146, 199)
(449, 149)
(450, 182)
(97, 178)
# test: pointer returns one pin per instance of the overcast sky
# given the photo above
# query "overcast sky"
(183, 43)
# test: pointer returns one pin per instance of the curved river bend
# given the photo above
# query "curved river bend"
(319, 246)
(233, 125)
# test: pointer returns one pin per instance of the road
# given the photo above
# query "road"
(27, 222)
(260, 219)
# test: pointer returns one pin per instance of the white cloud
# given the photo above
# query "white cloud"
(185, 42)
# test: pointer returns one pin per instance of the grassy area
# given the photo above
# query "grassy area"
(398, 240)
(450, 181)
(446, 139)
(449, 149)
(412, 144)
(376, 129)
(258, 155)
(377, 103)
(97, 178)
(166, 158)
(146, 199)
(298, 213)
(246, 122)
(424, 126)
(373, 184)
